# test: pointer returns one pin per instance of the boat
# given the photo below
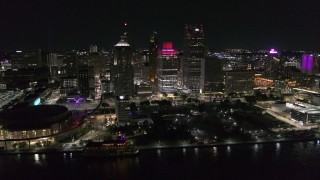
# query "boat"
(110, 148)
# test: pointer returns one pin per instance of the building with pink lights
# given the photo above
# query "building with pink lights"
(273, 65)
(167, 69)
(307, 63)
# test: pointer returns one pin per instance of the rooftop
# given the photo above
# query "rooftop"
(122, 42)
(33, 117)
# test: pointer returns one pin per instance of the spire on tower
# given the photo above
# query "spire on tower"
(125, 29)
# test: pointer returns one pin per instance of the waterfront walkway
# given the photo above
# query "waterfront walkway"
(219, 144)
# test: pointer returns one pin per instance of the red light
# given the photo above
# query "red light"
(167, 49)
(167, 45)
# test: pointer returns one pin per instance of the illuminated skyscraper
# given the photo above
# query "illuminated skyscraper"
(272, 66)
(167, 71)
(194, 58)
(122, 69)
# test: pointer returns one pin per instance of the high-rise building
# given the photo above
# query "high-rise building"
(194, 58)
(153, 55)
(141, 67)
(86, 82)
(167, 71)
(122, 69)
(272, 66)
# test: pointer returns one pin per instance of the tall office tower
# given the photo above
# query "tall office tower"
(122, 69)
(273, 66)
(86, 81)
(93, 49)
(140, 67)
(194, 58)
(167, 71)
(153, 55)
(145, 66)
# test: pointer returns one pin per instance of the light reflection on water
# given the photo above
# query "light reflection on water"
(255, 151)
(278, 147)
(159, 153)
(280, 158)
(214, 151)
(256, 148)
(196, 151)
(18, 157)
(43, 157)
(184, 151)
(228, 150)
(36, 158)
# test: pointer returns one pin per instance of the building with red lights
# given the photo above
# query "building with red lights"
(167, 68)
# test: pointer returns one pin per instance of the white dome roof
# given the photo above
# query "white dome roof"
(122, 42)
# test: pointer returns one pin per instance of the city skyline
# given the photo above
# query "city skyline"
(77, 25)
(123, 89)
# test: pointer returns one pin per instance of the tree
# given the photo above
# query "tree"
(184, 98)
(189, 100)
(201, 107)
(145, 103)
(104, 105)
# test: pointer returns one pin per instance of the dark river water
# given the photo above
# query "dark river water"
(298, 160)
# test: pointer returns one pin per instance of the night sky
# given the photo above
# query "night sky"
(255, 24)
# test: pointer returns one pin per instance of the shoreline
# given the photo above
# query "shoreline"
(227, 144)
(146, 148)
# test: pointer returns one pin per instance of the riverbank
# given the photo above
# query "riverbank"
(226, 144)
(42, 151)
